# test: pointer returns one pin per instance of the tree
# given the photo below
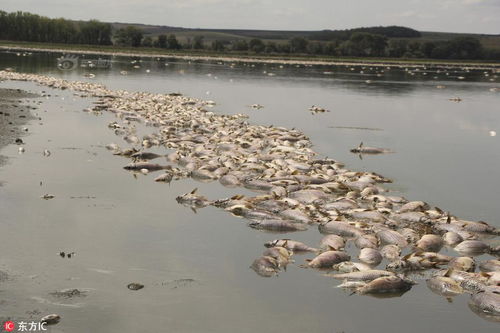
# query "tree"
(298, 45)
(256, 45)
(240, 45)
(172, 42)
(217, 45)
(198, 43)
(147, 41)
(162, 41)
(129, 36)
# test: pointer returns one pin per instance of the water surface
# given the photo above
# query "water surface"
(196, 266)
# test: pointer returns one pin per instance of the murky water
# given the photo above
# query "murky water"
(196, 266)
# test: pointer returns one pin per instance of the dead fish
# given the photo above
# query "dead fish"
(308, 196)
(472, 282)
(229, 180)
(112, 146)
(472, 247)
(487, 302)
(193, 200)
(386, 284)
(368, 216)
(480, 226)
(291, 245)
(414, 206)
(144, 165)
(340, 228)
(391, 252)
(265, 266)
(202, 175)
(257, 185)
(361, 149)
(332, 242)
(135, 286)
(328, 259)
(362, 275)
(411, 235)
(365, 241)
(144, 155)
(466, 264)
(351, 284)
(51, 319)
(281, 254)
(295, 215)
(444, 286)
(490, 265)
(345, 267)
(165, 177)
(370, 256)
(452, 238)
(430, 243)
(414, 264)
(388, 236)
(278, 225)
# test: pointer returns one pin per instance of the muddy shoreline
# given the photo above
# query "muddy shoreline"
(14, 115)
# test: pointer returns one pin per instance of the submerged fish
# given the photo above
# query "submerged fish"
(361, 149)
(386, 284)
(444, 286)
(328, 259)
(265, 266)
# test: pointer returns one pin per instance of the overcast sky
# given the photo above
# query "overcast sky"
(480, 16)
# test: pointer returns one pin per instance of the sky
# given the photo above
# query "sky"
(475, 16)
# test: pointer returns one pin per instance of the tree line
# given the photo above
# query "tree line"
(390, 42)
(28, 27)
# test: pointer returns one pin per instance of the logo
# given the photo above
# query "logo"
(9, 326)
(67, 62)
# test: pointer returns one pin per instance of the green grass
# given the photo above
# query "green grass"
(241, 55)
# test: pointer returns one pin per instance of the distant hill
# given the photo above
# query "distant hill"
(230, 35)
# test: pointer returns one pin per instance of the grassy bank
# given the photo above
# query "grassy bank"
(233, 56)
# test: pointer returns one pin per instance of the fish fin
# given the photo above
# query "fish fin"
(194, 210)
(406, 257)
(486, 275)
(448, 218)
(285, 243)
(331, 248)
(448, 272)
(449, 299)
(194, 191)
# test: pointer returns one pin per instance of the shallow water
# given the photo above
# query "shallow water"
(125, 229)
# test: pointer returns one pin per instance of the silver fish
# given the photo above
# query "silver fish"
(386, 284)
(472, 247)
(370, 256)
(328, 259)
(490, 265)
(362, 275)
(330, 242)
(430, 242)
(291, 245)
(278, 225)
(340, 228)
(444, 286)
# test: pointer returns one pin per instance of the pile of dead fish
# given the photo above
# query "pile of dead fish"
(396, 241)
